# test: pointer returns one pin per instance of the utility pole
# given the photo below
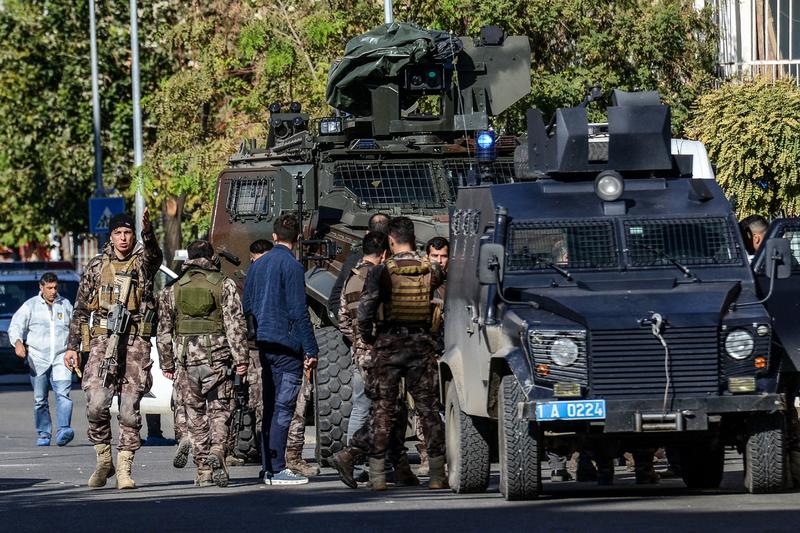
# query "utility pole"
(137, 114)
(99, 190)
(388, 17)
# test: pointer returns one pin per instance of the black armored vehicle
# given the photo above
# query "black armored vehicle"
(408, 105)
(608, 304)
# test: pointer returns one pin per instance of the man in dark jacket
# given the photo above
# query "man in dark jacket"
(274, 293)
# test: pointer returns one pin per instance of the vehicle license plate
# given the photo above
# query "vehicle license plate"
(571, 410)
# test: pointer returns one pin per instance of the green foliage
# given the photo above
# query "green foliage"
(46, 134)
(209, 70)
(752, 132)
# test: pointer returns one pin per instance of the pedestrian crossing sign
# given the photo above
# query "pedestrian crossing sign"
(101, 210)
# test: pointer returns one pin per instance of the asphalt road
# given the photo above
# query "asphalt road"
(45, 489)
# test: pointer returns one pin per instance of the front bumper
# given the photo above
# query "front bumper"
(685, 414)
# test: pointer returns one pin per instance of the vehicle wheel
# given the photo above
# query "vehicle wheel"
(764, 464)
(702, 465)
(519, 446)
(467, 438)
(333, 393)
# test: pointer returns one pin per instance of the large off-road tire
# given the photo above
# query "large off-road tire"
(333, 393)
(702, 465)
(764, 461)
(468, 453)
(520, 444)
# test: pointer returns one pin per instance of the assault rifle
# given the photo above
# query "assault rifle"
(117, 323)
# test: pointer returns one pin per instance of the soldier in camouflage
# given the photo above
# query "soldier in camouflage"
(201, 328)
(396, 303)
(123, 261)
(375, 247)
(296, 439)
(438, 251)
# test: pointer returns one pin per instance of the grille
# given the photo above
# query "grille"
(568, 244)
(248, 197)
(457, 171)
(630, 363)
(694, 241)
(540, 342)
(380, 185)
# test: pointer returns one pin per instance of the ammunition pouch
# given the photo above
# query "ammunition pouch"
(436, 319)
(86, 337)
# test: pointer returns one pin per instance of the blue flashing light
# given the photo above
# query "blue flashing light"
(485, 142)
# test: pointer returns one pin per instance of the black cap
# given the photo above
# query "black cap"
(122, 220)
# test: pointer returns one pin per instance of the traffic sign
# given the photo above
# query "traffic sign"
(101, 210)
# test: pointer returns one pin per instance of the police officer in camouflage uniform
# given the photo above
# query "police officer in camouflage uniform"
(375, 247)
(123, 261)
(394, 314)
(201, 327)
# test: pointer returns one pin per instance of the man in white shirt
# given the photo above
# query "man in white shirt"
(38, 332)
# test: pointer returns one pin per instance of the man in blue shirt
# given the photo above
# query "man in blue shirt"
(39, 332)
(274, 293)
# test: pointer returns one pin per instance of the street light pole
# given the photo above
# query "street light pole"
(137, 114)
(388, 17)
(98, 149)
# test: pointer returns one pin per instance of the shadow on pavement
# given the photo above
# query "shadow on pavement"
(326, 505)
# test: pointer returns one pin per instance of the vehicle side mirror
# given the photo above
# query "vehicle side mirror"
(778, 258)
(491, 263)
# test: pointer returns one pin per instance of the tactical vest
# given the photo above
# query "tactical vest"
(353, 290)
(108, 292)
(410, 286)
(198, 303)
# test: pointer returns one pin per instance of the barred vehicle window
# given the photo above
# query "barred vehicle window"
(690, 241)
(793, 236)
(248, 197)
(381, 185)
(567, 244)
(457, 172)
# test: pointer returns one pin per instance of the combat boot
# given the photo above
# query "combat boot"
(182, 453)
(424, 468)
(403, 476)
(298, 465)
(104, 468)
(216, 460)
(125, 464)
(204, 477)
(438, 478)
(377, 474)
(344, 463)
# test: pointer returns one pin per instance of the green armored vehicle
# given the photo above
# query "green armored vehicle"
(407, 105)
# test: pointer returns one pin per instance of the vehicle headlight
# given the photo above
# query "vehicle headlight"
(609, 185)
(564, 352)
(739, 344)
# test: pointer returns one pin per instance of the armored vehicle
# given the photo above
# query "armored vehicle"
(408, 103)
(609, 305)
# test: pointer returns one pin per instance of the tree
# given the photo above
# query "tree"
(751, 130)
(46, 135)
